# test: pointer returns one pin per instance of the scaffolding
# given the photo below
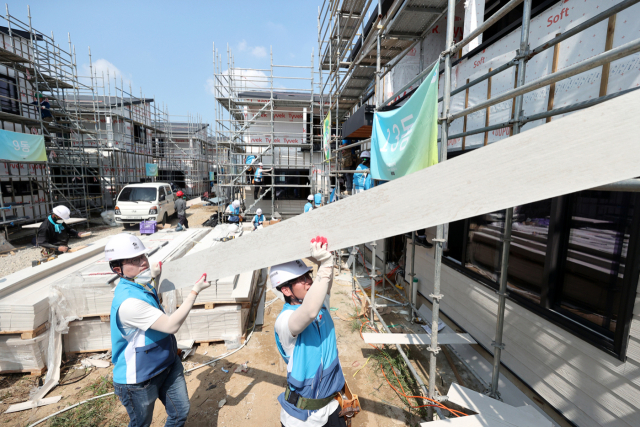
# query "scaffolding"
(269, 116)
(99, 137)
(357, 56)
(34, 64)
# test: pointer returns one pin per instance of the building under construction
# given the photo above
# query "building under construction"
(547, 288)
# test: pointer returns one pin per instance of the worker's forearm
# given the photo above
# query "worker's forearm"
(48, 245)
(303, 316)
(171, 324)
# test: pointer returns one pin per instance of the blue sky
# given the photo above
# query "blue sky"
(166, 47)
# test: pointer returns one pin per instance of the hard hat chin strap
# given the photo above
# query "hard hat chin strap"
(293, 296)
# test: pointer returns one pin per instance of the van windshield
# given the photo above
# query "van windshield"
(138, 194)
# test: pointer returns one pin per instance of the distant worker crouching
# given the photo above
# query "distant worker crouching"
(308, 207)
(54, 234)
(233, 210)
(258, 219)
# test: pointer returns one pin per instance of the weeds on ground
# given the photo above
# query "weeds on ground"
(92, 413)
(392, 362)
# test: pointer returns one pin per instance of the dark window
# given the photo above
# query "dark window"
(137, 194)
(568, 261)
(594, 264)
(8, 95)
(20, 188)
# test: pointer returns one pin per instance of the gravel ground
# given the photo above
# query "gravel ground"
(25, 253)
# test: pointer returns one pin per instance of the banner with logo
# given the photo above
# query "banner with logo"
(405, 140)
(22, 147)
(152, 169)
(326, 135)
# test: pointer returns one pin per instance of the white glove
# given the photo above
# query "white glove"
(201, 284)
(156, 269)
(320, 252)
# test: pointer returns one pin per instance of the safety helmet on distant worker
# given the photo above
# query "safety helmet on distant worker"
(282, 273)
(365, 154)
(123, 246)
(179, 194)
(259, 212)
(62, 211)
(236, 203)
(310, 197)
(260, 164)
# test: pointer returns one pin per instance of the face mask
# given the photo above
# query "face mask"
(144, 277)
(59, 221)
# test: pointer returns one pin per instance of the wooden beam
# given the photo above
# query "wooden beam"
(488, 114)
(552, 86)
(608, 45)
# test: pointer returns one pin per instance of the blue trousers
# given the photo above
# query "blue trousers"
(169, 386)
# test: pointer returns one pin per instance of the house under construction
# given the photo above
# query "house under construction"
(547, 288)
(99, 135)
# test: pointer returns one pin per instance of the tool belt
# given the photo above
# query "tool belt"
(305, 403)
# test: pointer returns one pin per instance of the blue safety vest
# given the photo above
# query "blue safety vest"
(314, 371)
(308, 207)
(318, 199)
(258, 175)
(235, 212)
(138, 355)
(258, 219)
(360, 182)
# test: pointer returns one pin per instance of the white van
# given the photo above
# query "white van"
(144, 202)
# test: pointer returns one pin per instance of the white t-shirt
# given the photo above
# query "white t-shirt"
(320, 417)
(137, 314)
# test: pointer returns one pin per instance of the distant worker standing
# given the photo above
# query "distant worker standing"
(308, 207)
(54, 234)
(258, 219)
(362, 181)
(306, 340)
(258, 180)
(181, 209)
(146, 364)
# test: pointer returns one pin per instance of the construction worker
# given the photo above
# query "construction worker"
(250, 160)
(181, 209)
(318, 199)
(53, 233)
(362, 181)
(306, 340)
(258, 219)
(146, 364)
(308, 207)
(258, 179)
(234, 212)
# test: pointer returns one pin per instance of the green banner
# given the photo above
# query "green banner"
(405, 140)
(326, 135)
(152, 169)
(22, 147)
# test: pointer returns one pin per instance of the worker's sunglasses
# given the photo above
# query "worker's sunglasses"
(135, 261)
(302, 279)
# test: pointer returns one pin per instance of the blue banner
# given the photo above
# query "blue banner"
(212, 176)
(405, 140)
(152, 169)
(22, 147)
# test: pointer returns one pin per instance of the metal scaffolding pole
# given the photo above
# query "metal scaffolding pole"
(440, 237)
(508, 219)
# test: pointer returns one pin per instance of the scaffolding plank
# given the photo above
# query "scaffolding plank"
(417, 339)
(565, 156)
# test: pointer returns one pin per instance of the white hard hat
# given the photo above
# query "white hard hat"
(259, 212)
(310, 197)
(62, 211)
(123, 246)
(236, 203)
(260, 164)
(282, 273)
(365, 154)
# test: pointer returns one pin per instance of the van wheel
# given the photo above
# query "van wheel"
(164, 219)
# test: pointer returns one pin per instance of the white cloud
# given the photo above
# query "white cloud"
(242, 45)
(103, 67)
(259, 51)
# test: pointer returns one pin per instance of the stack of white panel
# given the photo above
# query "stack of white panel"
(21, 355)
(88, 335)
(221, 322)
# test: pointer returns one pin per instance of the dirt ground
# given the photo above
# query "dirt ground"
(251, 396)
